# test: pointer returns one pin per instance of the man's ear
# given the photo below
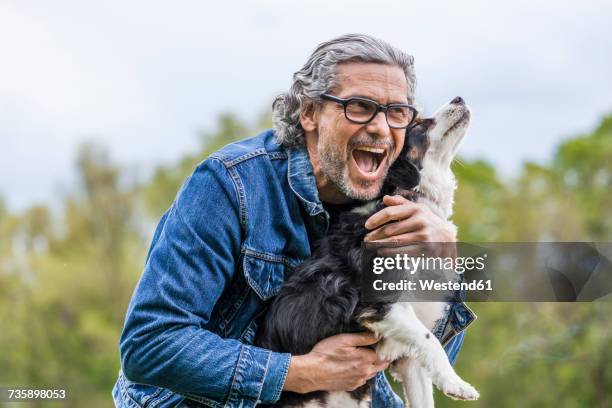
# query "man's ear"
(309, 116)
(403, 174)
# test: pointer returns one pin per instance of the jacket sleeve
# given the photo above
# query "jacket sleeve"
(193, 256)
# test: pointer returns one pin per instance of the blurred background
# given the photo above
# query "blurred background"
(105, 108)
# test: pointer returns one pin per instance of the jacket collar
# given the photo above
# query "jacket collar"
(302, 180)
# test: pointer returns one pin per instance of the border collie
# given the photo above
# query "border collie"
(322, 296)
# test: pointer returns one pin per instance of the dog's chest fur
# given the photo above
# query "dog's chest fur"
(437, 190)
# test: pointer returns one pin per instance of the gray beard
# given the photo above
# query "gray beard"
(334, 167)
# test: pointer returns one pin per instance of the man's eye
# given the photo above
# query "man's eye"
(398, 112)
(360, 107)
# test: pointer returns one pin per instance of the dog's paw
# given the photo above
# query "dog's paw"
(458, 389)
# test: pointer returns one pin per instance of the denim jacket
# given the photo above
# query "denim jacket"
(238, 227)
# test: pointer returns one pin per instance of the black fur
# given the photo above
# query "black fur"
(322, 296)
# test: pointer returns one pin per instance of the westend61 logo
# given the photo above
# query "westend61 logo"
(413, 264)
(426, 277)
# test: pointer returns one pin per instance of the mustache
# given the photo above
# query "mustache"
(371, 141)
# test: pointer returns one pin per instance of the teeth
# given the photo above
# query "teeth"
(371, 149)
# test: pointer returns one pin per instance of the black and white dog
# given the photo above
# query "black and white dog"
(322, 296)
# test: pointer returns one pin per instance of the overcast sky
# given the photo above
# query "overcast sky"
(142, 77)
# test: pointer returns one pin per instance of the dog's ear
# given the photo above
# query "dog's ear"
(403, 174)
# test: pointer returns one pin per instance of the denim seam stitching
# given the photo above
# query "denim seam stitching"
(128, 397)
(152, 396)
(311, 206)
(147, 399)
(204, 400)
(162, 399)
(235, 307)
(233, 162)
(284, 378)
(442, 322)
(238, 187)
(269, 257)
(252, 283)
(277, 155)
(269, 353)
(233, 391)
(384, 386)
(247, 329)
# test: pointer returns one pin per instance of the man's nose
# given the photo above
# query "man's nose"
(378, 124)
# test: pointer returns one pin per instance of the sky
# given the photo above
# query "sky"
(144, 77)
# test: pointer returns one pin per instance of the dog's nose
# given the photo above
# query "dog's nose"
(458, 100)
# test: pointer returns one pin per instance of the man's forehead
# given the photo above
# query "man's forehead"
(381, 82)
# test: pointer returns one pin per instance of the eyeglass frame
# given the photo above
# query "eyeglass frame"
(379, 108)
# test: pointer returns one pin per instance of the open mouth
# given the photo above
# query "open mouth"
(369, 159)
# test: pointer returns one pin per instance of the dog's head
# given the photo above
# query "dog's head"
(445, 132)
(430, 143)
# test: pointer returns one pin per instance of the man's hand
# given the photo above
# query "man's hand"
(337, 363)
(412, 222)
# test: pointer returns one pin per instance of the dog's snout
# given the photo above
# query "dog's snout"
(458, 100)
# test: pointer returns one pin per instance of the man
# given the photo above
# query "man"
(247, 217)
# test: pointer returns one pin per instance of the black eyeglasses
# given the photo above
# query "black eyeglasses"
(362, 110)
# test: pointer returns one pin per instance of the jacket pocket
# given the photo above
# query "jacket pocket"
(265, 273)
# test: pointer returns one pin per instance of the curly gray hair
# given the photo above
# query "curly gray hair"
(318, 76)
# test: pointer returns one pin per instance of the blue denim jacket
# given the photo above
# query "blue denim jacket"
(237, 228)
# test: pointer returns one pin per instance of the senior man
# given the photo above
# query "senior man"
(247, 217)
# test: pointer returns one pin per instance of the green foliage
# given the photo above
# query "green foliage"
(479, 190)
(160, 191)
(66, 277)
(584, 167)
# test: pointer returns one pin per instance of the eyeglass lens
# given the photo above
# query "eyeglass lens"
(363, 111)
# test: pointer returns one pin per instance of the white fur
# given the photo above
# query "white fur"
(418, 356)
(339, 399)
(418, 390)
(438, 183)
(365, 209)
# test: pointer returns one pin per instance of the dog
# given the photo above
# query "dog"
(322, 296)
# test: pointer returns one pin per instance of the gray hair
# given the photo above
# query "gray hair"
(318, 76)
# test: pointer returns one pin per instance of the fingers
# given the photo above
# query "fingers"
(412, 224)
(371, 359)
(367, 370)
(359, 339)
(398, 209)
(410, 249)
(380, 366)
(374, 369)
(364, 355)
(357, 384)
(407, 238)
(395, 200)
(343, 363)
